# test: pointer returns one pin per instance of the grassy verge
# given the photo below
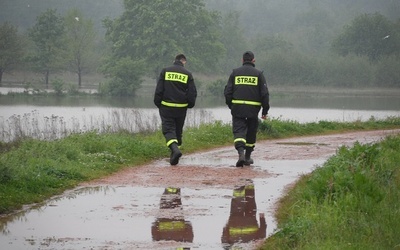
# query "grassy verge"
(34, 170)
(352, 202)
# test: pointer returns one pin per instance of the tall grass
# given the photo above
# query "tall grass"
(33, 125)
(352, 202)
(277, 128)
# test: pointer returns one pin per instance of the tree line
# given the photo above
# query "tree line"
(147, 34)
(53, 44)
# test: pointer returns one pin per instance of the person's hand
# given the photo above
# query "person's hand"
(264, 117)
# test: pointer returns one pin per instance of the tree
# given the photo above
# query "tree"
(371, 35)
(80, 42)
(48, 37)
(233, 39)
(11, 48)
(155, 31)
(125, 76)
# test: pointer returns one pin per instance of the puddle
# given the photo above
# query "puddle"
(217, 206)
(137, 217)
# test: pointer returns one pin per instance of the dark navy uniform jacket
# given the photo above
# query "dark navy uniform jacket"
(246, 92)
(175, 91)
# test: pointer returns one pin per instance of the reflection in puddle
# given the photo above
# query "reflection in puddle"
(242, 225)
(132, 217)
(170, 224)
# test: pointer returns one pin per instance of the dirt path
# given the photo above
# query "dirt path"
(209, 169)
(131, 210)
(278, 163)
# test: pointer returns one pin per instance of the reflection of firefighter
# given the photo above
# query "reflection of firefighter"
(242, 225)
(171, 225)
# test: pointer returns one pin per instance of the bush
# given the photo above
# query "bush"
(58, 86)
(387, 72)
(216, 88)
(290, 67)
(349, 71)
(125, 77)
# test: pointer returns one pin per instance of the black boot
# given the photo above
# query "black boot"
(248, 161)
(175, 154)
(241, 159)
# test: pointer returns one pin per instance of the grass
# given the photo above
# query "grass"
(352, 202)
(279, 129)
(33, 170)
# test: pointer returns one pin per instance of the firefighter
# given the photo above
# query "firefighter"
(245, 94)
(170, 224)
(242, 225)
(174, 94)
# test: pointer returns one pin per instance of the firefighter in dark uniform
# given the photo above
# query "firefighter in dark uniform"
(174, 94)
(245, 94)
(171, 225)
(242, 225)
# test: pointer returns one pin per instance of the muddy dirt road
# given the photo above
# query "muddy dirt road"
(203, 203)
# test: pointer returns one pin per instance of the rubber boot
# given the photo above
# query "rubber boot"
(241, 159)
(248, 160)
(175, 154)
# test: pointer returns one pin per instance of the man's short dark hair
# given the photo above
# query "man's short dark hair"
(248, 56)
(180, 57)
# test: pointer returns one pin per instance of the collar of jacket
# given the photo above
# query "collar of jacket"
(177, 62)
(249, 63)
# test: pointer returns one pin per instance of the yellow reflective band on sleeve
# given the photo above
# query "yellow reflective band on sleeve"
(171, 226)
(246, 102)
(171, 141)
(178, 77)
(238, 193)
(247, 80)
(242, 230)
(174, 105)
(240, 139)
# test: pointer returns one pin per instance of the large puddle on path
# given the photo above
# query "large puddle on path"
(136, 217)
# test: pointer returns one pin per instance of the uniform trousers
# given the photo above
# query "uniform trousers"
(244, 131)
(172, 128)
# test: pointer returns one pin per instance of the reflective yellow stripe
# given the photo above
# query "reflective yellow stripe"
(171, 226)
(172, 190)
(250, 145)
(238, 193)
(247, 80)
(242, 230)
(240, 139)
(246, 102)
(178, 77)
(171, 141)
(175, 105)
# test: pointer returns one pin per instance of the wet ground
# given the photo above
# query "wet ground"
(203, 203)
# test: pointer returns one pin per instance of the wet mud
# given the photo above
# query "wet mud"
(202, 203)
